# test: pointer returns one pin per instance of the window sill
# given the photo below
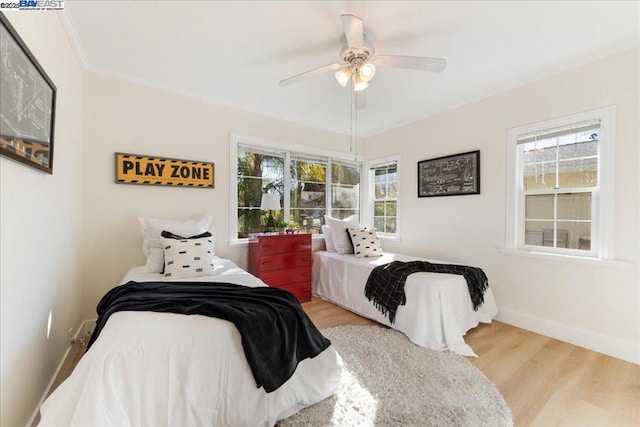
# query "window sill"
(245, 242)
(394, 237)
(565, 258)
(238, 243)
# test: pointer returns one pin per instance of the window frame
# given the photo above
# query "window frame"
(368, 208)
(290, 150)
(603, 194)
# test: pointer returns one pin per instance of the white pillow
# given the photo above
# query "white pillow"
(365, 242)
(188, 258)
(339, 227)
(151, 236)
(328, 238)
(155, 260)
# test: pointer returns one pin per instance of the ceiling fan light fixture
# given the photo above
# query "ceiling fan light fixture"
(359, 84)
(367, 72)
(343, 76)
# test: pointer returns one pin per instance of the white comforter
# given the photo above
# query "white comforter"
(163, 369)
(438, 311)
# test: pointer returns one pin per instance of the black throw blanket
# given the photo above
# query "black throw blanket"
(276, 333)
(385, 285)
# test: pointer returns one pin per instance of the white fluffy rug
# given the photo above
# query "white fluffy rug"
(389, 381)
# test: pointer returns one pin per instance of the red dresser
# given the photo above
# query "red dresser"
(283, 261)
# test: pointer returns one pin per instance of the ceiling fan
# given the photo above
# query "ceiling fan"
(359, 62)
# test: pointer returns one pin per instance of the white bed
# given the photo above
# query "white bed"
(438, 311)
(156, 369)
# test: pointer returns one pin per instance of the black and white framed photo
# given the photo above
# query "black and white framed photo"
(27, 103)
(453, 175)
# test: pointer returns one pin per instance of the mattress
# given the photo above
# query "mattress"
(438, 311)
(150, 368)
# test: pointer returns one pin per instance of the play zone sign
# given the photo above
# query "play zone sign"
(147, 170)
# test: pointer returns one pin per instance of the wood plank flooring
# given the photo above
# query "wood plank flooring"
(545, 382)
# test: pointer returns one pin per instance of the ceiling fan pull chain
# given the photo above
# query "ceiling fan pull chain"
(355, 125)
(351, 108)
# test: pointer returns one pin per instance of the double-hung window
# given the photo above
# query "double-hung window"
(308, 192)
(258, 170)
(345, 189)
(560, 197)
(383, 196)
(310, 183)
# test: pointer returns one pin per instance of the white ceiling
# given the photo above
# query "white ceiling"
(235, 53)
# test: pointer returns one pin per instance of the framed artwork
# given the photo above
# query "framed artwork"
(453, 175)
(27, 103)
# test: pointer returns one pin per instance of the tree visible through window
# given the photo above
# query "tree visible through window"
(258, 173)
(308, 193)
(313, 186)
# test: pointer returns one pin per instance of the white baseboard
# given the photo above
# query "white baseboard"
(85, 327)
(613, 347)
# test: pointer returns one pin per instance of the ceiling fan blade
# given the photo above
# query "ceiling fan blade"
(298, 77)
(361, 100)
(353, 30)
(411, 62)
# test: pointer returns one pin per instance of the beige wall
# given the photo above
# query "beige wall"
(40, 227)
(130, 118)
(592, 305)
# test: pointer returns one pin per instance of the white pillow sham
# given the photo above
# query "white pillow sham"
(152, 228)
(188, 258)
(365, 242)
(328, 238)
(339, 227)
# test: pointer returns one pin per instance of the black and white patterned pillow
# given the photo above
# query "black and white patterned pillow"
(365, 242)
(187, 258)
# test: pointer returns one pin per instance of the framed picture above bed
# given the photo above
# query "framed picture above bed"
(453, 175)
(27, 103)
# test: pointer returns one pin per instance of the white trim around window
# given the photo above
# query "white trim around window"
(603, 194)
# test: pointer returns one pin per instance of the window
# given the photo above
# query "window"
(345, 190)
(383, 182)
(561, 194)
(308, 189)
(258, 171)
(316, 182)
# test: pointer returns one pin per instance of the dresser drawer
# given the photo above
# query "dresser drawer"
(290, 243)
(302, 291)
(287, 276)
(284, 261)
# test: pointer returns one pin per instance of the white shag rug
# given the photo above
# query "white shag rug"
(389, 381)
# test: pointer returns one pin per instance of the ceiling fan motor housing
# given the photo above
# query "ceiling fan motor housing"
(356, 57)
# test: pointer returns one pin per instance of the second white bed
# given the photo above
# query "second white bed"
(438, 311)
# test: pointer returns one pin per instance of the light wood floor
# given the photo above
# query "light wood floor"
(544, 381)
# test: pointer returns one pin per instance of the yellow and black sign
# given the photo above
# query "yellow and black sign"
(137, 169)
